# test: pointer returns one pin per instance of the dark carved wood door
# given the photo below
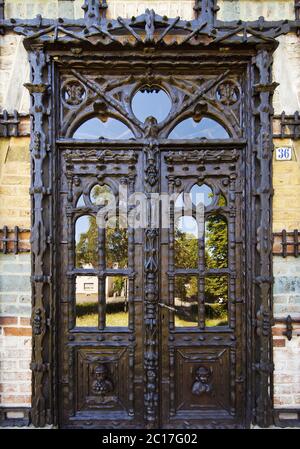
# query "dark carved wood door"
(202, 291)
(151, 315)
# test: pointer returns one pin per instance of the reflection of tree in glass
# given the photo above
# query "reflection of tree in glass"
(216, 242)
(216, 255)
(186, 250)
(186, 288)
(86, 248)
(116, 247)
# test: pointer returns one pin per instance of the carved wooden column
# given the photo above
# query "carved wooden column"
(262, 205)
(41, 248)
(151, 267)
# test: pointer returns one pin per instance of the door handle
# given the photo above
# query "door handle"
(167, 307)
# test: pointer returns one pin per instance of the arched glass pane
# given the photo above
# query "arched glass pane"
(86, 238)
(216, 301)
(216, 242)
(186, 301)
(116, 248)
(152, 102)
(100, 195)
(95, 129)
(201, 194)
(80, 201)
(207, 128)
(186, 243)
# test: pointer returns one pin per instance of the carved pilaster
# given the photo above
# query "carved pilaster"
(151, 265)
(263, 91)
(41, 189)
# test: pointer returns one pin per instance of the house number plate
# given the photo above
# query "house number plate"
(284, 154)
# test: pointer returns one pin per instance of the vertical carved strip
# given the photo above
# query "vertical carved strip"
(71, 279)
(263, 91)
(201, 281)
(151, 265)
(171, 257)
(41, 248)
(101, 278)
(232, 252)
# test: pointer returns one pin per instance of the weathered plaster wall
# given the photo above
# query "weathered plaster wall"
(14, 72)
(286, 72)
(252, 9)
(72, 9)
(14, 182)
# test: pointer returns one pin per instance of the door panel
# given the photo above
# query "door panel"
(100, 358)
(202, 295)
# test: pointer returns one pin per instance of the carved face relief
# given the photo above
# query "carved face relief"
(102, 385)
(202, 383)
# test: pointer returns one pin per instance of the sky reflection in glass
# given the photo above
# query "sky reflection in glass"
(155, 104)
(95, 129)
(207, 128)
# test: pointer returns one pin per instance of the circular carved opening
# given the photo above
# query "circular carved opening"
(151, 102)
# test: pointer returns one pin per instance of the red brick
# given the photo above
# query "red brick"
(17, 331)
(8, 388)
(277, 331)
(25, 321)
(16, 399)
(8, 320)
(279, 342)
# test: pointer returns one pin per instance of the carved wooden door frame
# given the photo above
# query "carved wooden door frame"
(153, 40)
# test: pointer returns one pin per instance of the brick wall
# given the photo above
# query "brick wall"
(15, 294)
(15, 330)
(286, 353)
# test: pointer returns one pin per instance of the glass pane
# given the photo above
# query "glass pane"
(216, 242)
(100, 195)
(86, 238)
(186, 301)
(86, 301)
(116, 248)
(116, 301)
(151, 102)
(201, 194)
(80, 201)
(95, 129)
(186, 243)
(205, 129)
(216, 301)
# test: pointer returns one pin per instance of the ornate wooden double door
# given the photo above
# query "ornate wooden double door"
(151, 298)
